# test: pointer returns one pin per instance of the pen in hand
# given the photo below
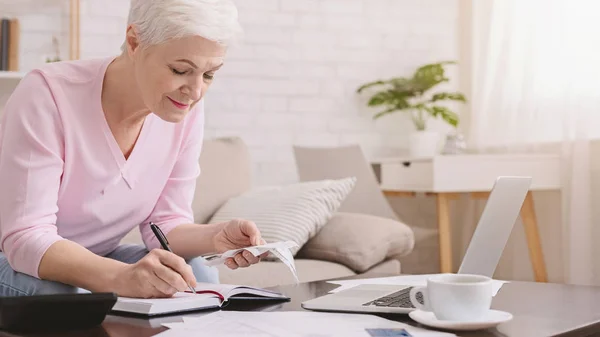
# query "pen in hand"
(165, 245)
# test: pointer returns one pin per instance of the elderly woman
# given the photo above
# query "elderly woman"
(91, 149)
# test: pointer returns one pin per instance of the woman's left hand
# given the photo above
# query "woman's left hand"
(237, 234)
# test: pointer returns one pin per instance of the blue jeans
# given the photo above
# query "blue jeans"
(13, 283)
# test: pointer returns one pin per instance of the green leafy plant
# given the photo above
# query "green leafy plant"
(411, 95)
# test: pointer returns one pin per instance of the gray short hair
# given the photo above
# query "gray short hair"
(158, 21)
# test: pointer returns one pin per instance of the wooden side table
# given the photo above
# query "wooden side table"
(446, 176)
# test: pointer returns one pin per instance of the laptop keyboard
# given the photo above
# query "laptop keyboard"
(400, 299)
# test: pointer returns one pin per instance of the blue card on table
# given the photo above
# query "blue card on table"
(388, 333)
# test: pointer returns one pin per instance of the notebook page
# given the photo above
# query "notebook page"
(177, 297)
(179, 301)
(228, 290)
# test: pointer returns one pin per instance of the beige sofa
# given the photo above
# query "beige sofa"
(349, 244)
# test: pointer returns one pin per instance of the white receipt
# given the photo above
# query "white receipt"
(281, 250)
(289, 324)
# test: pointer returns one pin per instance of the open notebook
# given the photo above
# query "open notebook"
(207, 296)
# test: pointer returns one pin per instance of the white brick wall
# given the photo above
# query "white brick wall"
(292, 78)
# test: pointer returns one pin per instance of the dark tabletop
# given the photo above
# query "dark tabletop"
(539, 309)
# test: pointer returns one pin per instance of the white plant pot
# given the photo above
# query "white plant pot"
(424, 144)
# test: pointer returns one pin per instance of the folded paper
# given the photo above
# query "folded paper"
(281, 250)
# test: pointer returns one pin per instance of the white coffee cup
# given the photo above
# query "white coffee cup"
(455, 297)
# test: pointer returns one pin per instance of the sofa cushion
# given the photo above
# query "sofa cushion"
(295, 212)
(386, 268)
(359, 241)
(271, 273)
(425, 257)
(225, 171)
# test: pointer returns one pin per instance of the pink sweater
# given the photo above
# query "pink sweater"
(63, 175)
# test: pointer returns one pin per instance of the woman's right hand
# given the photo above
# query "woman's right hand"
(159, 274)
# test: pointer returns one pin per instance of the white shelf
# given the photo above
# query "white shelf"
(11, 75)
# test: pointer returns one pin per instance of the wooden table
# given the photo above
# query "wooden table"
(446, 176)
(539, 309)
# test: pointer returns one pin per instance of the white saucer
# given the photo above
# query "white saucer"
(493, 318)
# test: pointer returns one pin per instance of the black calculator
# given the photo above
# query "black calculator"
(60, 312)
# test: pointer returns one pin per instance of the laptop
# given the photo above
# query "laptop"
(483, 254)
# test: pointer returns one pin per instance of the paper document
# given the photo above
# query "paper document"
(409, 280)
(289, 324)
(281, 250)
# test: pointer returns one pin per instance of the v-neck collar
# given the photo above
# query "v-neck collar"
(126, 165)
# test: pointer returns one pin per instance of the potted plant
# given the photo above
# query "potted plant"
(412, 95)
